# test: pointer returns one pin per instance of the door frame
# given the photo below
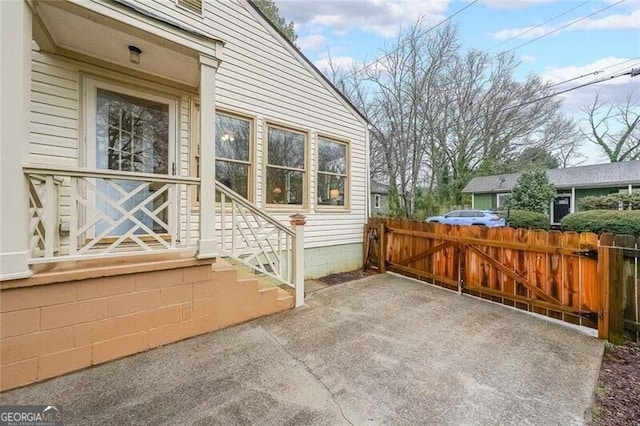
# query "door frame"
(90, 86)
(552, 209)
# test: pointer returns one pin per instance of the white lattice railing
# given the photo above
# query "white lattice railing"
(106, 212)
(255, 239)
(43, 222)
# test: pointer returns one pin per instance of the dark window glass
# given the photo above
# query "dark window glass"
(286, 159)
(233, 153)
(332, 173)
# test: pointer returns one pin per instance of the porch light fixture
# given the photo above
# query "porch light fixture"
(134, 54)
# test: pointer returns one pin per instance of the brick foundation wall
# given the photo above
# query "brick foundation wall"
(52, 329)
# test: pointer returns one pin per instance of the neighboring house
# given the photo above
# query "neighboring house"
(572, 183)
(379, 199)
(117, 118)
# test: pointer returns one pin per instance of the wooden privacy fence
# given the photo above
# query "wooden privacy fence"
(578, 278)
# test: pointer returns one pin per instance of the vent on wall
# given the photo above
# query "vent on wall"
(192, 5)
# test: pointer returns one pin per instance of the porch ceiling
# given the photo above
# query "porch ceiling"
(65, 27)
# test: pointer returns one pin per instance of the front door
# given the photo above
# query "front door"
(130, 131)
(561, 207)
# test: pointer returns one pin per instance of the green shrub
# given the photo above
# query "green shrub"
(532, 192)
(526, 219)
(601, 221)
(610, 202)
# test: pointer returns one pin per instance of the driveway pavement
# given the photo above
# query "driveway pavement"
(382, 350)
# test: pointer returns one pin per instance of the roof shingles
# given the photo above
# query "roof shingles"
(591, 176)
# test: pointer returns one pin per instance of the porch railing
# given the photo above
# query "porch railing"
(256, 239)
(79, 213)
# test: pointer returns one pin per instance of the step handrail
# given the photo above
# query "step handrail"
(228, 192)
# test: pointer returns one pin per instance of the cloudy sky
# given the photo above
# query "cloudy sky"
(576, 36)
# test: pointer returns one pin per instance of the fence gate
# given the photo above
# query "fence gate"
(561, 275)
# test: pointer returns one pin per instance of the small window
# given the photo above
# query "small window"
(501, 200)
(192, 5)
(233, 152)
(468, 213)
(286, 167)
(332, 182)
(453, 214)
(376, 201)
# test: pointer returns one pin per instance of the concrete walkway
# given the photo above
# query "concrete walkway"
(382, 350)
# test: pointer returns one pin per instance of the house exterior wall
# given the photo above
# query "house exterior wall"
(260, 77)
(595, 192)
(484, 201)
(383, 209)
(49, 330)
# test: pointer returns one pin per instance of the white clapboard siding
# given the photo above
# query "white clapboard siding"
(260, 76)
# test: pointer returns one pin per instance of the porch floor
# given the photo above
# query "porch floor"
(382, 350)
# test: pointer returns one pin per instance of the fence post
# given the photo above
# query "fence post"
(610, 313)
(382, 255)
(297, 222)
(365, 247)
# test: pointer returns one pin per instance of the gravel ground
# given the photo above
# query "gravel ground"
(617, 399)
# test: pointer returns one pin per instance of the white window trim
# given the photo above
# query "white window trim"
(251, 162)
(265, 166)
(347, 176)
(91, 87)
(500, 196)
(90, 98)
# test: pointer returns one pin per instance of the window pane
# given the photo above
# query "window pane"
(234, 176)
(232, 137)
(132, 134)
(284, 186)
(330, 190)
(286, 148)
(332, 157)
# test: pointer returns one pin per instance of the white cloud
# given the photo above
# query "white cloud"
(311, 42)
(630, 21)
(528, 59)
(515, 4)
(339, 62)
(616, 89)
(382, 17)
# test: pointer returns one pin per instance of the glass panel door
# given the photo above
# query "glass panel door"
(132, 134)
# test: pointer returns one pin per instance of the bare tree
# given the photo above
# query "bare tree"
(614, 127)
(492, 117)
(440, 115)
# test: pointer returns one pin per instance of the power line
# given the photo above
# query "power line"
(633, 72)
(561, 27)
(419, 35)
(592, 73)
(539, 25)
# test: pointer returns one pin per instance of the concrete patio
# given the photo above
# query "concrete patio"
(382, 350)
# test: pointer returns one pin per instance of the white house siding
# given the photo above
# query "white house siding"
(56, 103)
(259, 76)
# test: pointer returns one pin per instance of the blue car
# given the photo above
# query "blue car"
(470, 217)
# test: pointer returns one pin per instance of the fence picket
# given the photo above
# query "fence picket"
(550, 273)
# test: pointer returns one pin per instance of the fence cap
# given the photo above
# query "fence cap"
(297, 219)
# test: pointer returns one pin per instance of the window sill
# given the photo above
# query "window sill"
(332, 209)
